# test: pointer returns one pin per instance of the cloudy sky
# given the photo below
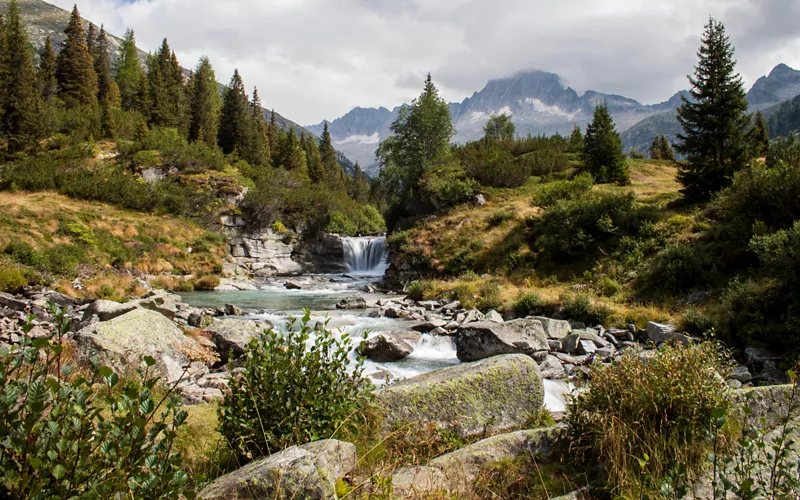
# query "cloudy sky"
(316, 59)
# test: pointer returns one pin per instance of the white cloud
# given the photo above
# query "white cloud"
(315, 59)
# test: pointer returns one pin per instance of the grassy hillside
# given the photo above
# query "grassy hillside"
(45, 236)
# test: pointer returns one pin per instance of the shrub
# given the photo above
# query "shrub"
(290, 393)
(678, 268)
(146, 159)
(489, 296)
(500, 217)
(637, 421)
(529, 303)
(416, 290)
(609, 287)
(22, 252)
(442, 187)
(12, 278)
(206, 283)
(62, 259)
(696, 322)
(548, 194)
(70, 436)
(580, 307)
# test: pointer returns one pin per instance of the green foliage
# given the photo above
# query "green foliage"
(129, 74)
(500, 217)
(65, 435)
(784, 149)
(785, 119)
(549, 194)
(715, 122)
(758, 136)
(581, 307)
(290, 393)
(206, 283)
(176, 152)
(77, 79)
(12, 278)
(602, 152)
(499, 128)
(661, 149)
(529, 303)
(640, 424)
(576, 140)
(609, 287)
(165, 88)
(678, 268)
(489, 296)
(416, 290)
(204, 105)
(332, 171)
(443, 186)
(696, 322)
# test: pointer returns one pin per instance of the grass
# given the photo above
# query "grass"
(59, 236)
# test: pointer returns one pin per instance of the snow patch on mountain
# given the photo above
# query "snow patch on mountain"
(543, 108)
(360, 139)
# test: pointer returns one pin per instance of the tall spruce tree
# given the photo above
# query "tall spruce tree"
(272, 133)
(205, 105)
(257, 152)
(358, 186)
(236, 117)
(665, 148)
(316, 171)
(576, 139)
(421, 138)
(165, 79)
(108, 92)
(129, 73)
(334, 174)
(715, 122)
(46, 76)
(759, 136)
(77, 80)
(602, 151)
(91, 41)
(21, 111)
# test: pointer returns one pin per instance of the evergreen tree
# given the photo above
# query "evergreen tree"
(91, 41)
(129, 74)
(499, 128)
(358, 186)
(142, 97)
(602, 151)
(236, 117)
(165, 79)
(290, 155)
(421, 138)
(257, 152)
(272, 133)
(334, 174)
(665, 149)
(77, 80)
(142, 132)
(316, 171)
(759, 137)
(714, 137)
(48, 86)
(576, 140)
(204, 105)
(22, 122)
(655, 148)
(108, 92)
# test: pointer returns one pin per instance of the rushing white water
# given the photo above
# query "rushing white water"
(365, 255)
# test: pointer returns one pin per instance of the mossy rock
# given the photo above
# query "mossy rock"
(490, 395)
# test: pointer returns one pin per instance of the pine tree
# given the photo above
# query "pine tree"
(77, 80)
(22, 123)
(272, 133)
(316, 171)
(48, 86)
(358, 186)
(655, 148)
(142, 132)
(334, 174)
(205, 105)
(108, 92)
(235, 122)
(715, 122)
(759, 137)
(91, 41)
(129, 74)
(257, 151)
(576, 140)
(165, 79)
(665, 149)
(602, 152)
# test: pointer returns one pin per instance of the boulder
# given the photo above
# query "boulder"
(429, 305)
(590, 334)
(493, 394)
(493, 317)
(554, 328)
(309, 472)
(552, 368)
(11, 302)
(482, 340)
(418, 482)
(384, 349)
(291, 285)
(471, 316)
(107, 310)
(428, 326)
(352, 302)
(125, 340)
(231, 310)
(586, 347)
(162, 302)
(660, 333)
(59, 299)
(569, 344)
(233, 334)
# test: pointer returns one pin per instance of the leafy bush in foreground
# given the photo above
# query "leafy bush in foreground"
(642, 417)
(290, 393)
(66, 436)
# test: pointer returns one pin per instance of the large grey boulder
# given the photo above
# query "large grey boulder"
(233, 334)
(482, 340)
(163, 302)
(11, 302)
(107, 310)
(660, 333)
(554, 328)
(309, 472)
(493, 394)
(125, 340)
(352, 302)
(552, 368)
(385, 349)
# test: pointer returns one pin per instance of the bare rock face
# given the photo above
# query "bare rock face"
(482, 340)
(309, 472)
(492, 394)
(385, 349)
(267, 253)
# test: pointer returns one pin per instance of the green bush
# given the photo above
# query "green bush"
(785, 150)
(548, 194)
(640, 424)
(23, 253)
(678, 268)
(489, 296)
(609, 287)
(62, 259)
(529, 303)
(176, 152)
(416, 290)
(696, 322)
(442, 187)
(500, 217)
(206, 283)
(12, 278)
(146, 159)
(290, 393)
(63, 435)
(580, 307)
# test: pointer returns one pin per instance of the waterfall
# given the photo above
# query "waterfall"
(365, 255)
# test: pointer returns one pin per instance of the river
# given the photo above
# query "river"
(320, 294)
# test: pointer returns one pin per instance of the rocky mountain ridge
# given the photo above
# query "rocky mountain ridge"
(541, 104)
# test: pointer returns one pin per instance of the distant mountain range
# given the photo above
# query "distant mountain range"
(43, 19)
(540, 104)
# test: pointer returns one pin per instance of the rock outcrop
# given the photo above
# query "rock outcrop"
(309, 472)
(489, 395)
(482, 340)
(385, 348)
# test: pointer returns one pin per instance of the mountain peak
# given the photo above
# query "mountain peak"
(782, 70)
